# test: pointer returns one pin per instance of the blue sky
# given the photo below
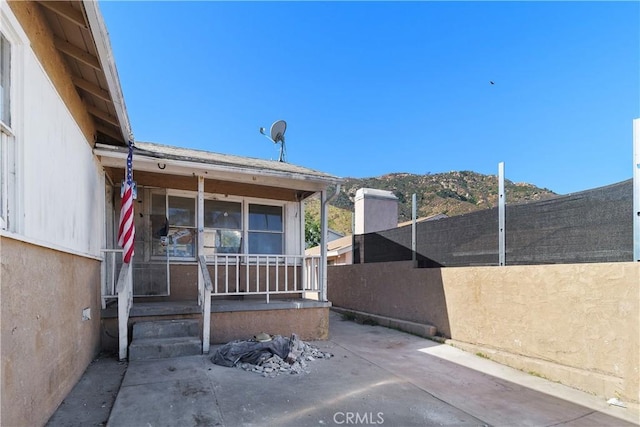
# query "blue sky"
(369, 88)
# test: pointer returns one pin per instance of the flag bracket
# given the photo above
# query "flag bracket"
(134, 189)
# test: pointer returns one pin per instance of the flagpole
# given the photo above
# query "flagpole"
(126, 229)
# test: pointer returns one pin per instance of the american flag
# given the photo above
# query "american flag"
(127, 231)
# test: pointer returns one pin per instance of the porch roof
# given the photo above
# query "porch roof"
(171, 160)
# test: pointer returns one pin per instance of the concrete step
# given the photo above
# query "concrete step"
(166, 329)
(159, 348)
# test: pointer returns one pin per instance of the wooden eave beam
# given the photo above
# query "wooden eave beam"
(108, 131)
(66, 11)
(94, 111)
(92, 88)
(76, 53)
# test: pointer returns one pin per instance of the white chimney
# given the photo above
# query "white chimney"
(375, 210)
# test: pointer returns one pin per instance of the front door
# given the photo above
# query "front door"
(151, 257)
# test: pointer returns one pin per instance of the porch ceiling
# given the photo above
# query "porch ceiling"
(217, 186)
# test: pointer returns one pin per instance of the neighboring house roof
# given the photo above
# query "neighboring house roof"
(333, 234)
(334, 247)
(81, 37)
(424, 218)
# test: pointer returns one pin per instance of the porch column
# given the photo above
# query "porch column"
(323, 244)
(200, 229)
(204, 282)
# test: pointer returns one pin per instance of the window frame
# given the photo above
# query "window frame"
(205, 229)
(6, 76)
(11, 149)
(282, 233)
(200, 229)
(166, 192)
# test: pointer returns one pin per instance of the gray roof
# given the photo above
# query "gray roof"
(227, 160)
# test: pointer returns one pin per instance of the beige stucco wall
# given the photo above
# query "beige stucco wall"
(309, 324)
(46, 346)
(577, 324)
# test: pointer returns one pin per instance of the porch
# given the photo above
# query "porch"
(233, 297)
(218, 238)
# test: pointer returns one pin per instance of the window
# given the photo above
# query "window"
(5, 81)
(7, 164)
(265, 229)
(222, 227)
(173, 225)
(231, 225)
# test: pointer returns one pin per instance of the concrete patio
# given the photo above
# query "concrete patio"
(377, 376)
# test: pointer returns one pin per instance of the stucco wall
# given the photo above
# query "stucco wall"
(574, 323)
(308, 323)
(46, 346)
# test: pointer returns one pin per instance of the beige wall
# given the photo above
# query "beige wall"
(309, 324)
(575, 323)
(46, 346)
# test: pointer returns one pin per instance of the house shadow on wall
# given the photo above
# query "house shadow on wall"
(398, 288)
(383, 249)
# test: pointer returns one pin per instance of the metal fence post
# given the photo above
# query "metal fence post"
(501, 215)
(636, 189)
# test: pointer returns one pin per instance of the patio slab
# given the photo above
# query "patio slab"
(377, 376)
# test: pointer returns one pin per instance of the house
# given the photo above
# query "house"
(333, 235)
(219, 238)
(338, 248)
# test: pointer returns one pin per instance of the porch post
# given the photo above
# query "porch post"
(323, 244)
(200, 229)
(204, 289)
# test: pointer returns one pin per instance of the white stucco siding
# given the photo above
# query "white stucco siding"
(62, 183)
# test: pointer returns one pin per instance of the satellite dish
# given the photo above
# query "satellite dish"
(277, 131)
(277, 136)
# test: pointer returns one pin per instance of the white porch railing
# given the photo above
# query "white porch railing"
(124, 289)
(109, 277)
(247, 274)
(204, 301)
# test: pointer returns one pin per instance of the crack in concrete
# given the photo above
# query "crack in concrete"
(573, 419)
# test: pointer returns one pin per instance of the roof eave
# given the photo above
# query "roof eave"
(115, 157)
(98, 30)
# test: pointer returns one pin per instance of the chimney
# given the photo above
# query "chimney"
(375, 210)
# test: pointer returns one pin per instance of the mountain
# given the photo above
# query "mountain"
(449, 193)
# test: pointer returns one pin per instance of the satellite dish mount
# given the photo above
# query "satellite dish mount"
(277, 136)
